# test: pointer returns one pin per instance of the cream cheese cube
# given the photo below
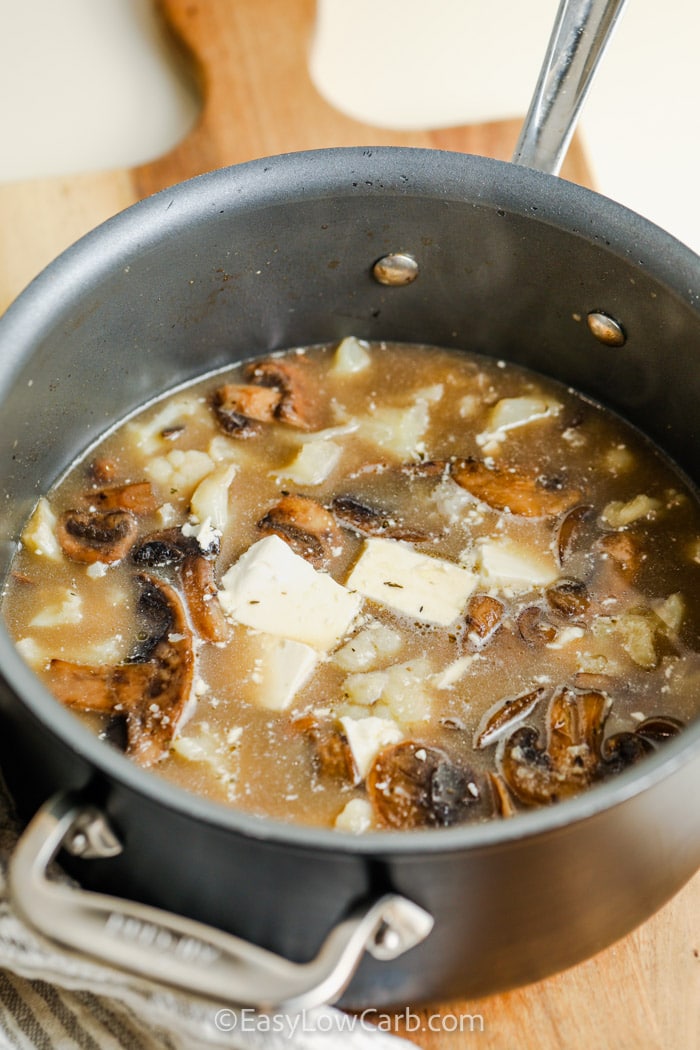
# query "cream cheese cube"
(281, 667)
(428, 589)
(274, 590)
(506, 565)
(367, 737)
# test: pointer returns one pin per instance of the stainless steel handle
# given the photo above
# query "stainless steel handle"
(176, 953)
(582, 30)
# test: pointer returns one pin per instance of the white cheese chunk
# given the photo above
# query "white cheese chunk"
(506, 565)
(31, 652)
(39, 535)
(313, 463)
(210, 499)
(180, 471)
(367, 647)
(67, 609)
(397, 430)
(273, 589)
(456, 670)
(350, 357)
(429, 589)
(281, 667)
(367, 737)
(566, 636)
(617, 514)
(148, 435)
(356, 817)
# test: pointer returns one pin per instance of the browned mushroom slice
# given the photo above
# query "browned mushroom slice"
(623, 750)
(332, 756)
(136, 496)
(414, 786)
(502, 800)
(576, 722)
(501, 718)
(570, 530)
(369, 521)
(568, 598)
(239, 409)
(103, 469)
(309, 529)
(171, 547)
(152, 692)
(91, 536)
(484, 616)
(501, 489)
(659, 728)
(208, 619)
(595, 680)
(571, 761)
(534, 628)
(297, 405)
(626, 551)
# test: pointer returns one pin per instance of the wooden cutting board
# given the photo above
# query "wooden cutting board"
(246, 59)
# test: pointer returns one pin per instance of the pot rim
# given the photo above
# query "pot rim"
(346, 172)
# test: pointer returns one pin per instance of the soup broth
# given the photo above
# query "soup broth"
(369, 586)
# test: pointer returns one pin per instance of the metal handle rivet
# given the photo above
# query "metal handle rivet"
(395, 269)
(606, 329)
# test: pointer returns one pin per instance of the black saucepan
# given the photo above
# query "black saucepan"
(511, 263)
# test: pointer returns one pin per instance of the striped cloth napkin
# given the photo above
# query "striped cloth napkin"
(50, 1000)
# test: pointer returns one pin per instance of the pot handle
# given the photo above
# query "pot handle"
(171, 952)
(581, 32)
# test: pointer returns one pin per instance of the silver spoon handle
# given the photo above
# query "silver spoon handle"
(580, 35)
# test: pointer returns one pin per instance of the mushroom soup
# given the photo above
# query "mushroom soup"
(369, 586)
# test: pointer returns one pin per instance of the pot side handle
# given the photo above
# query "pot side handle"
(167, 951)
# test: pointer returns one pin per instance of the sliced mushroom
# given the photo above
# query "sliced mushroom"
(501, 718)
(626, 551)
(623, 750)
(571, 760)
(239, 409)
(135, 496)
(91, 536)
(534, 628)
(369, 521)
(332, 756)
(568, 598)
(413, 786)
(521, 494)
(484, 615)
(570, 530)
(171, 547)
(502, 799)
(167, 547)
(596, 680)
(309, 529)
(152, 692)
(576, 722)
(103, 470)
(659, 728)
(297, 403)
(199, 585)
